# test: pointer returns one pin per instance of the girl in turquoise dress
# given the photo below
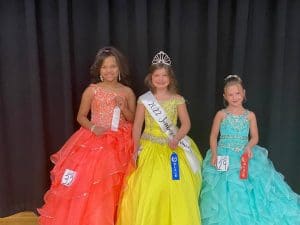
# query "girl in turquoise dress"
(228, 195)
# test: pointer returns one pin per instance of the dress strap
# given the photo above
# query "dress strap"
(225, 111)
(246, 113)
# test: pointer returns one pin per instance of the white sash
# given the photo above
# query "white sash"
(115, 119)
(160, 116)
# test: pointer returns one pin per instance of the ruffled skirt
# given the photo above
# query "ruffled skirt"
(87, 178)
(262, 199)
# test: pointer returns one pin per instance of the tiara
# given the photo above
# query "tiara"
(161, 57)
(232, 76)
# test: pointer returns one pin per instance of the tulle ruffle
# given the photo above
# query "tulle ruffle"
(262, 199)
(100, 163)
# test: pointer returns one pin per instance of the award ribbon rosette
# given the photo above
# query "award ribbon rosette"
(115, 119)
(175, 166)
(244, 166)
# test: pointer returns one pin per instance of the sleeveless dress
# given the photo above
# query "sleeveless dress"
(262, 199)
(100, 163)
(151, 197)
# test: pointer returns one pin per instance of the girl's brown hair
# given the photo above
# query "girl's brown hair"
(173, 82)
(101, 55)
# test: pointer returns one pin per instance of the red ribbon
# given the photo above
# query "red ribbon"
(244, 166)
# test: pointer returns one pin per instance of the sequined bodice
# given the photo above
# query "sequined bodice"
(170, 107)
(102, 107)
(234, 131)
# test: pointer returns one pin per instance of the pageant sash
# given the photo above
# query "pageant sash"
(160, 116)
(115, 119)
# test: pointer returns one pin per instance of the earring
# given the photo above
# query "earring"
(119, 78)
(101, 78)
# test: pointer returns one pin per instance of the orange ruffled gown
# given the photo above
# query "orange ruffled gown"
(100, 162)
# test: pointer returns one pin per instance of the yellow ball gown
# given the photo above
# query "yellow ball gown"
(150, 196)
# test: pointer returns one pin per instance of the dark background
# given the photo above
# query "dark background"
(47, 47)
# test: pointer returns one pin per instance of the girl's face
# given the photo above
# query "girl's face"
(109, 69)
(234, 94)
(160, 78)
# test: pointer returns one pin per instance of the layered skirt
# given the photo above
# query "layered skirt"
(87, 179)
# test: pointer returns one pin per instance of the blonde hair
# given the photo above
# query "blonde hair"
(230, 80)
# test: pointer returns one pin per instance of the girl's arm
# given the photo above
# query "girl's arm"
(85, 107)
(213, 138)
(185, 126)
(253, 134)
(138, 125)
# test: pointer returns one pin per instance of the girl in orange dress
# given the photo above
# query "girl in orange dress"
(87, 178)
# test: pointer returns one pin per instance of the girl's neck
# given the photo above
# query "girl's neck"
(235, 110)
(110, 84)
(162, 94)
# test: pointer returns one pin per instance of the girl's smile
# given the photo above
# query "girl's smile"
(160, 78)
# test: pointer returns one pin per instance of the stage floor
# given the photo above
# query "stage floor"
(22, 218)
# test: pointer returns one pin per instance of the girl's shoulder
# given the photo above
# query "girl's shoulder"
(178, 99)
(89, 91)
(91, 88)
(221, 114)
(250, 115)
(126, 89)
(127, 92)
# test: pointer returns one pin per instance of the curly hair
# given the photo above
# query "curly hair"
(172, 87)
(101, 55)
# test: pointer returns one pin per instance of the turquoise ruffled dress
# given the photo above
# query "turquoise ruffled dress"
(262, 199)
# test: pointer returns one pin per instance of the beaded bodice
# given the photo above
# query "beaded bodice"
(234, 131)
(102, 107)
(170, 107)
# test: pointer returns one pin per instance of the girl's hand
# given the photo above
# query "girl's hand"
(121, 102)
(249, 152)
(136, 154)
(173, 143)
(97, 130)
(213, 160)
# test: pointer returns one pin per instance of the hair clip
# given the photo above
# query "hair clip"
(161, 57)
(232, 76)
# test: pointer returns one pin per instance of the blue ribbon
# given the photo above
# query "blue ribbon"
(175, 166)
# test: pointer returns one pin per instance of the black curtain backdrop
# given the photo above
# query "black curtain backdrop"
(46, 48)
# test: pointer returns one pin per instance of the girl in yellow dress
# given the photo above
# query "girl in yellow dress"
(164, 188)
